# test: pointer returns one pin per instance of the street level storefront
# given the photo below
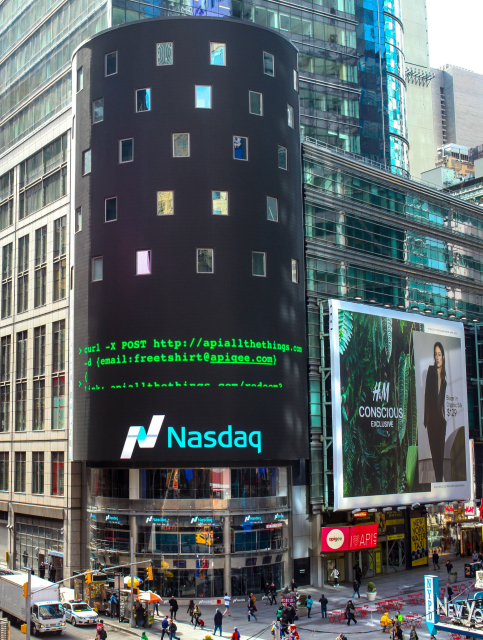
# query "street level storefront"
(452, 526)
(38, 540)
(343, 546)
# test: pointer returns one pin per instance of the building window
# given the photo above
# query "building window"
(181, 145)
(143, 100)
(21, 406)
(40, 287)
(7, 253)
(97, 269)
(80, 79)
(60, 234)
(39, 351)
(259, 259)
(295, 80)
(240, 148)
(5, 358)
(111, 209)
(20, 467)
(58, 352)
(39, 405)
(202, 97)
(143, 262)
(295, 270)
(21, 355)
(23, 276)
(86, 162)
(5, 408)
(58, 402)
(218, 53)
(272, 209)
(290, 116)
(268, 64)
(111, 63)
(6, 299)
(204, 262)
(60, 270)
(126, 150)
(78, 219)
(23, 254)
(282, 157)
(4, 470)
(58, 377)
(164, 53)
(41, 246)
(37, 472)
(57, 473)
(220, 203)
(165, 203)
(98, 111)
(255, 103)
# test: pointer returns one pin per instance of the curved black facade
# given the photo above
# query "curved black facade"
(220, 355)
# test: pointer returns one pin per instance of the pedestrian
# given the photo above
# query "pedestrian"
(113, 603)
(335, 574)
(251, 609)
(350, 613)
(284, 624)
(196, 615)
(358, 572)
(399, 618)
(475, 556)
(279, 612)
(291, 614)
(42, 570)
(398, 634)
(101, 632)
(435, 560)
(413, 635)
(164, 626)
(172, 630)
(144, 636)
(140, 615)
(468, 548)
(293, 585)
(227, 604)
(449, 590)
(253, 599)
(53, 571)
(323, 605)
(173, 607)
(218, 618)
(449, 566)
(309, 603)
(156, 605)
(293, 633)
(386, 622)
(235, 635)
(273, 593)
(356, 587)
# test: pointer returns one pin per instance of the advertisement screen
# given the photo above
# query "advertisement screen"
(419, 542)
(400, 415)
(349, 538)
(335, 539)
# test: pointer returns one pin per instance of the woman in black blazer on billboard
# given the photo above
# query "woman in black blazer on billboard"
(434, 404)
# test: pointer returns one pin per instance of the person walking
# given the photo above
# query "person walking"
(253, 599)
(279, 612)
(173, 607)
(235, 635)
(323, 606)
(350, 613)
(358, 572)
(42, 570)
(356, 587)
(164, 627)
(449, 566)
(172, 630)
(196, 615)
(251, 609)
(227, 605)
(450, 591)
(309, 603)
(190, 609)
(435, 560)
(413, 635)
(293, 585)
(273, 593)
(335, 575)
(218, 619)
(284, 624)
(267, 593)
(113, 603)
(156, 605)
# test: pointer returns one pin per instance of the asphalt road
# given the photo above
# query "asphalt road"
(75, 633)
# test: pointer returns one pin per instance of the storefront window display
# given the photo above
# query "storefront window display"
(38, 540)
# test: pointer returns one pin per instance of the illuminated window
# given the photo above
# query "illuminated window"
(57, 475)
(268, 64)
(97, 269)
(143, 262)
(255, 100)
(218, 53)
(164, 53)
(143, 100)
(290, 116)
(282, 157)
(259, 259)
(240, 148)
(272, 209)
(165, 203)
(98, 111)
(220, 203)
(86, 162)
(78, 219)
(204, 262)
(126, 150)
(111, 209)
(80, 79)
(111, 63)
(181, 145)
(295, 270)
(295, 79)
(202, 97)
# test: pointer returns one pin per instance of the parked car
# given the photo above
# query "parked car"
(80, 613)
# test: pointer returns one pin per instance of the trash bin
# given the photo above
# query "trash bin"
(467, 570)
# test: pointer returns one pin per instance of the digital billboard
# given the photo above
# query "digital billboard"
(349, 538)
(399, 404)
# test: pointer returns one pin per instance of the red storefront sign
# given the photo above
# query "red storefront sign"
(335, 538)
(363, 537)
(349, 538)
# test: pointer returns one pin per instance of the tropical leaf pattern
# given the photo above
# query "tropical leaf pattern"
(345, 329)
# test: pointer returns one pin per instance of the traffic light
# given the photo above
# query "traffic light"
(149, 574)
(26, 590)
(88, 577)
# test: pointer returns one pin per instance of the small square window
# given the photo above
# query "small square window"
(111, 209)
(268, 64)
(282, 157)
(272, 209)
(218, 53)
(97, 269)
(80, 79)
(259, 263)
(111, 63)
(295, 80)
(126, 150)
(78, 219)
(164, 54)
(165, 203)
(143, 262)
(204, 260)
(220, 203)
(256, 106)
(181, 145)
(240, 148)
(290, 116)
(202, 97)
(143, 100)
(98, 111)
(295, 270)
(86, 162)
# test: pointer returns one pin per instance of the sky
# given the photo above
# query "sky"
(455, 33)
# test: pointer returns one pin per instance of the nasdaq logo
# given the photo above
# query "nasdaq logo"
(139, 435)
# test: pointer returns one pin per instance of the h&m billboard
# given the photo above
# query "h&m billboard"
(399, 406)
